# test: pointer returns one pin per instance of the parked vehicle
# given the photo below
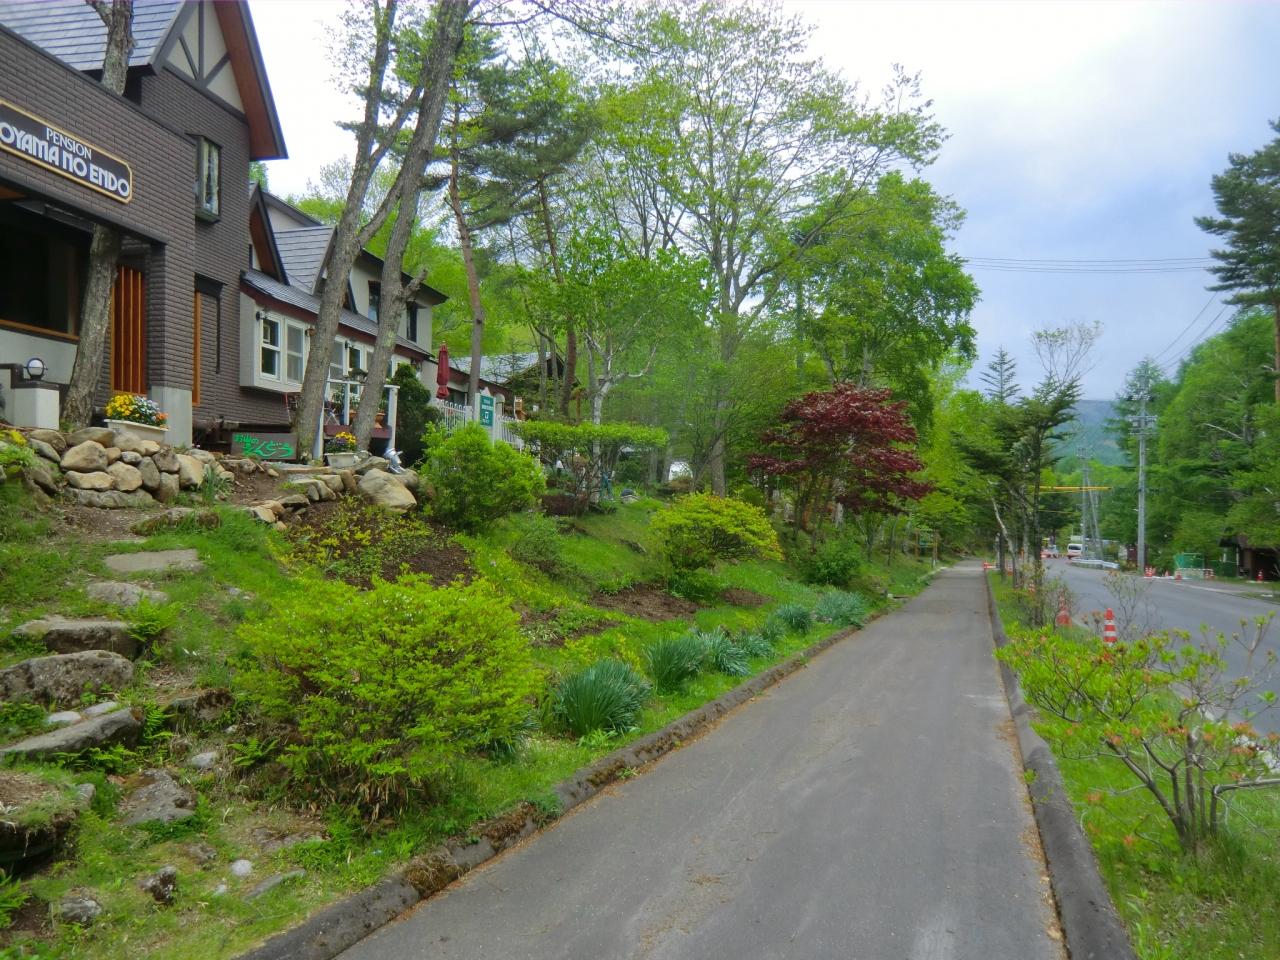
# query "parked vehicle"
(1074, 550)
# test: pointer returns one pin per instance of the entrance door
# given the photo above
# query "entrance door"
(129, 332)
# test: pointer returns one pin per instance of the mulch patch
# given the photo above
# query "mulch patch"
(438, 555)
(543, 631)
(646, 602)
(738, 597)
(29, 921)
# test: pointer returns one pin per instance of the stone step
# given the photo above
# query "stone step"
(123, 595)
(38, 814)
(155, 561)
(59, 680)
(66, 635)
(104, 731)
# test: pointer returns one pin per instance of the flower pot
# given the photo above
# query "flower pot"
(139, 431)
(340, 460)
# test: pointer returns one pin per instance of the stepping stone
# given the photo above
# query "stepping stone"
(98, 709)
(123, 595)
(112, 728)
(65, 635)
(77, 908)
(60, 680)
(160, 800)
(266, 886)
(156, 561)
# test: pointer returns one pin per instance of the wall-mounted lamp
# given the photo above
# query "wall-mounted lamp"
(261, 316)
(35, 369)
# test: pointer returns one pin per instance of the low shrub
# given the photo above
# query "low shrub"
(724, 654)
(836, 562)
(385, 689)
(537, 543)
(795, 617)
(700, 529)
(674, 660)
(696, 586)
(772, 630)
(20, 719)
(607, 695)
(475, 481)
(358, 541)
(755, 644)
(842, 608)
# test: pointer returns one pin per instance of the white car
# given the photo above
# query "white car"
(1074, 550)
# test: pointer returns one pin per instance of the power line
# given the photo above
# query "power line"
(1170, 365)
(1120, 260)
(1063, 265)
(1213, 296)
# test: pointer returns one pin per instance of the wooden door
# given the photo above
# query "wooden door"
(129, 332)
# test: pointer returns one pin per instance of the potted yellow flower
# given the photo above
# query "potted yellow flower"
(340, 450)
(138, 416)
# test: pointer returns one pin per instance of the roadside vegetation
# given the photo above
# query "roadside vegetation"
(1172, 783)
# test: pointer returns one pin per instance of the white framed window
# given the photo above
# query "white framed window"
(295, 352)
(269, 346)
(208, 178)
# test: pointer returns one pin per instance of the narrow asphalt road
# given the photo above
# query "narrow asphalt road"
(1186, 605)
(870, 807)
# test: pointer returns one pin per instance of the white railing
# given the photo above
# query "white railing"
(504, 430)
(455, 415)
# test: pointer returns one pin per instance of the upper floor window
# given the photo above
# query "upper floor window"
(411, 324)
(375, 300)
(208, 178)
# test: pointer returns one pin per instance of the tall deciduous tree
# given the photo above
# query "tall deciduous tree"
(104, 247)
(1247, 195)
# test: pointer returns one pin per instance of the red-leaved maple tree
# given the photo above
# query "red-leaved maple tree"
(849, 444)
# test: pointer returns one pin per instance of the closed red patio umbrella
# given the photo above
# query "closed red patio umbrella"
(442, 372)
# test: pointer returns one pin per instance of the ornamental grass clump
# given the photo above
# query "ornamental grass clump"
(379, 693)
(673, 661)
(755, 644)
(724, 654)
(608, 695)
(795, 617)
(842, 609)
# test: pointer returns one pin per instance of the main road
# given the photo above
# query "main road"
(1190, 605)
(869, 807)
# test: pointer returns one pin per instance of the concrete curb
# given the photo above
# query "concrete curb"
(327, 933)
(1090, 924)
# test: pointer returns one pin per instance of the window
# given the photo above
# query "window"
(411, 325)
(337, 366)
(375, 300)
(294, 352)
(270, 348)
(208, 178)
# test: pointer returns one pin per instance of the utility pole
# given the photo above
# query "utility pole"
(1141, 424)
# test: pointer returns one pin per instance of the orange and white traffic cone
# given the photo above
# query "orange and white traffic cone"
(1149, 573)
(1177, 575)
(1109, 627)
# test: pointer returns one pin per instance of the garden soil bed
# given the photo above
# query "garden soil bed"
(645, 602)
(738, 597)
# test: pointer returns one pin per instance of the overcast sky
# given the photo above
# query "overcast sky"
(1078, 131)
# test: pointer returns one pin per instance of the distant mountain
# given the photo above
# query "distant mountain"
(1089, 430)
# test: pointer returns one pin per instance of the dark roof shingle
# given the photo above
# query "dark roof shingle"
(72, 31)
(303, 252)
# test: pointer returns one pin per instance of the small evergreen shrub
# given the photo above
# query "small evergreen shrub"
(836, 562)
(795, 617)
(724, 654)
(673, 661)
(386, 688)
(607, 695)
(842, 608)
(475, 481)
(537, 543)
(700, 529)
(696, 586)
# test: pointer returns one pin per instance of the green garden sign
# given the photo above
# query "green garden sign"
(265, 446)
(486, 411)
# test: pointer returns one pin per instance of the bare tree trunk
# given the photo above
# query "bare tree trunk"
(450, 19)
(104, 248)
(1276, 307)
(570, 338)
(468, 260)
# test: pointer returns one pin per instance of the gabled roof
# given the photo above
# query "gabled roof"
(501, 367)
(291, 295)
(72, 31)
(303, 252)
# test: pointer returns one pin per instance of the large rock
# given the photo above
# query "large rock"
(148, 448)
(78, 908)
(371, 463)
(85, 457)
(190, 471)
(128, 443)
(131, 458)
(127, 478)
(150, 474)
(61, 679)
(166, 460)
(114, 454)
(109, 499)
(385, 490)
(105, 731)
(155, 561)
(201, 707)
(99, 435)
(203, 456)
(45, 450)
(64, 635)
(98, 480)
(169, 488)
(42, 477)
(123, 595)
(160, 799)
(37, 816)
(332, 481)
(52, 437)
